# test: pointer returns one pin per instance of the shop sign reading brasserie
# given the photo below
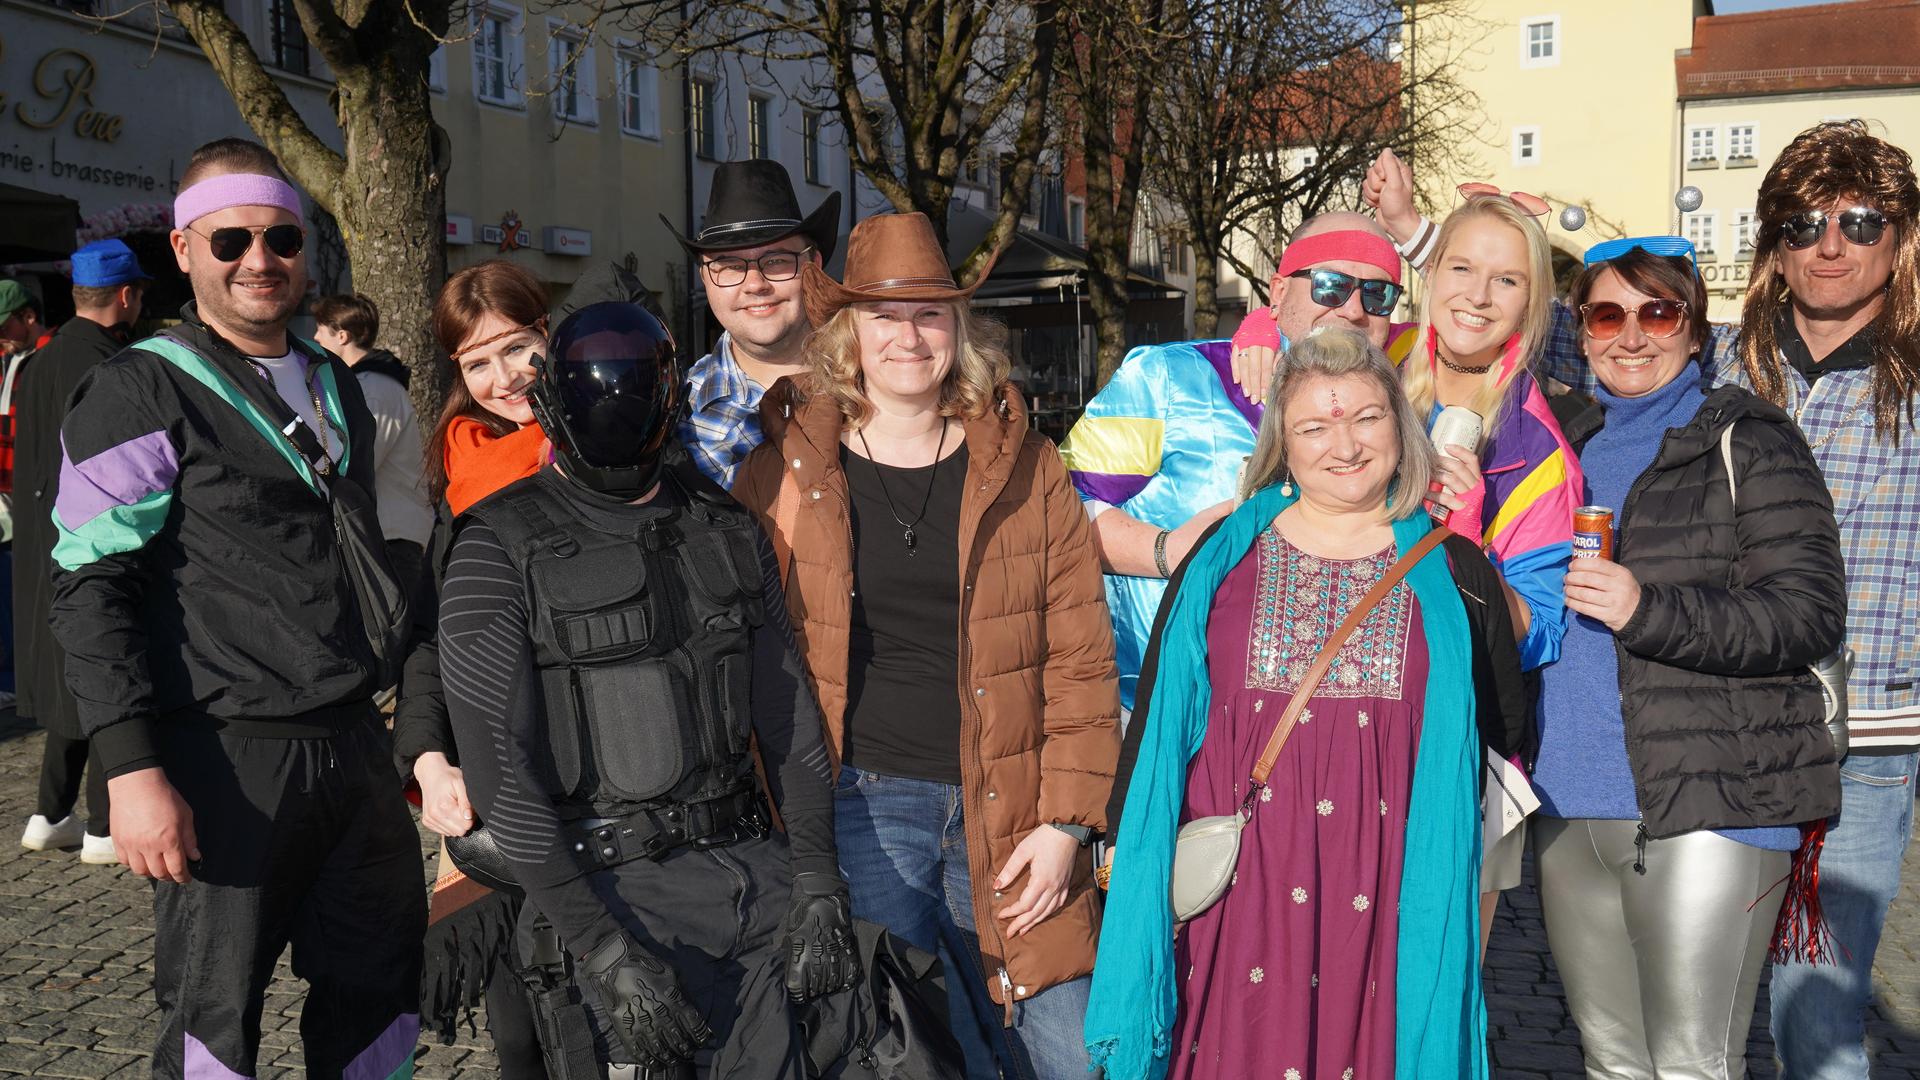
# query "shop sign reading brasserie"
(63, 81)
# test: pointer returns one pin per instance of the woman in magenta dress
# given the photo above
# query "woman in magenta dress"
(1346, 946)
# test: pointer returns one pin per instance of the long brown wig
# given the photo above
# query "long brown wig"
(1824, 165)
(495, 287)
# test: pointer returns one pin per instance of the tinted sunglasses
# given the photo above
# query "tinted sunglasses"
(232, 243)
(1530, 205)
(1861, 225)
(1331, 288)
(1658, 318)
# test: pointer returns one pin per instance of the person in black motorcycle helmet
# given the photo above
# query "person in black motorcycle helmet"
(612, 637)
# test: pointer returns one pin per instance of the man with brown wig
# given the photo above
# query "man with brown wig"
(1831, 332)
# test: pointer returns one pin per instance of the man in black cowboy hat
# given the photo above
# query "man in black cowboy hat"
(750, 247)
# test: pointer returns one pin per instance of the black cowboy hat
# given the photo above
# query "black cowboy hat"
(752, 203)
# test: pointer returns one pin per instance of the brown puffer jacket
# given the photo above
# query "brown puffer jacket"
(1039, 698)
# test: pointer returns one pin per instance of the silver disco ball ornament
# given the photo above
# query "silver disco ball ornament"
(1688, 199)
(1573, 218)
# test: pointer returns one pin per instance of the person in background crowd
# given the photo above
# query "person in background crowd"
(490, 320)
(1831, 334)
(349, 328)
(1159, 450)
(19, 318)
(615, 646)
(108, 284)
(217, 654)
(905, 498)
(21, 333)
(751, 247)
(1345, 944)
(1666, 825)
(1484, 318)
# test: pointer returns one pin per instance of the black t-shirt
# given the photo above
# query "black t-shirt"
(903, 664)
(1852, 354)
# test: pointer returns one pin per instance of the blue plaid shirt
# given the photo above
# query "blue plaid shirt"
(1876, 499)
(722, 425)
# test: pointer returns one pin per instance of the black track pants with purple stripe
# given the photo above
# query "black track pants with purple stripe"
(304, 842)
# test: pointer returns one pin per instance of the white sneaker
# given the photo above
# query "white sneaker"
(42, 835)
(98, 851)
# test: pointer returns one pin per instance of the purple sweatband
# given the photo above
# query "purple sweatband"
(233, 189)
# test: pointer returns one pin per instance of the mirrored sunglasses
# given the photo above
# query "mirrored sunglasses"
(1331, 288)
(1861, 225)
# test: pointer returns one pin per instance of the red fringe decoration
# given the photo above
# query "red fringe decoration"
(1801, 933)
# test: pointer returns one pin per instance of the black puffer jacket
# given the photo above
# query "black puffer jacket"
(1725, 724)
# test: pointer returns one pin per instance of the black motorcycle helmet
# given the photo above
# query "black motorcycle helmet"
(608, 394)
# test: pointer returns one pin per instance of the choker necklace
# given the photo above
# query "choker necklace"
(907, 527)
(1451, 366)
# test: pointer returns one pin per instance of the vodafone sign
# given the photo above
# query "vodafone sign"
(560, 240)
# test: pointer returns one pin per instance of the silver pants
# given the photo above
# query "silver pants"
(1660, 968)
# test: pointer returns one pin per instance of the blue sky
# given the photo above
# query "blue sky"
(1731, 7)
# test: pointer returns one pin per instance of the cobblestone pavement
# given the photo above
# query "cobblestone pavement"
(76, 968)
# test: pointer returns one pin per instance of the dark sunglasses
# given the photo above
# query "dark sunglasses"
(1861, 225)
(1658, 318)
(1331, 288)
(232, 243)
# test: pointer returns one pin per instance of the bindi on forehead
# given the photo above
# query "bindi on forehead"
(1333, 400)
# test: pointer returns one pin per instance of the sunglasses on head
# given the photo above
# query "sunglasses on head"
(1861, 225)
(1658, 318)
(233, 242)
(1530, 205)
(1331, 288)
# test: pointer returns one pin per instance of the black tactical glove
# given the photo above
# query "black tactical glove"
(651, 1015)
(820, 949)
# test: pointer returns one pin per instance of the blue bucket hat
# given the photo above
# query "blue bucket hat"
(106, 263)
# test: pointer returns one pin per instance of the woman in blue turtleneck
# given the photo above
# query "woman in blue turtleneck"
(1682, 737)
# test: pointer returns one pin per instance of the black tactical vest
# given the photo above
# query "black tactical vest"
(642, 642)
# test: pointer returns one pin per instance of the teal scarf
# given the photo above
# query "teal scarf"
(1440, 1015)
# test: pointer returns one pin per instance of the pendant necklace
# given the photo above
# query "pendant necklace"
(907, 527)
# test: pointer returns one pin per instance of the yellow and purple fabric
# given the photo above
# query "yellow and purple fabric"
(1164, 439)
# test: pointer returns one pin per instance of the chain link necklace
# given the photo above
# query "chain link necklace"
(907, 532)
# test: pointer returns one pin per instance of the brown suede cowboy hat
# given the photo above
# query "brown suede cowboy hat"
(889, 257)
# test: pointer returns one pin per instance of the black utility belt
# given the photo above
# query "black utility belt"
(654, 832)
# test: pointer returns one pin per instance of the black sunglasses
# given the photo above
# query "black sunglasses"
(1331, 288)
(1861, 225)
(232, 243)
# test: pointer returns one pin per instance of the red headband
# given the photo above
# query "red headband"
(1345, 245)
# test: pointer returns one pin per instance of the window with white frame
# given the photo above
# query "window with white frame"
(1746, 225)
(570, 71)
(637, 86)
(759, 126)
(1740, 141)
(812, 148)
(706, 119)
(498, 54)
(1703, 144)
(1701, 228)
(1526, 146)
(1540, 41)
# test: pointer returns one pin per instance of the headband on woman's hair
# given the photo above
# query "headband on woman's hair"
(228, 190)
(1343, 245)
(538, 325)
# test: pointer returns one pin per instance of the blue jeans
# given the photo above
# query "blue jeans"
(1818, 1010)
(903, 851)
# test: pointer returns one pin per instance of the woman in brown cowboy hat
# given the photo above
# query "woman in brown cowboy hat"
(947, 598)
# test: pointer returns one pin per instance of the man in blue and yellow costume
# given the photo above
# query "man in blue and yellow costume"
(1159, 450)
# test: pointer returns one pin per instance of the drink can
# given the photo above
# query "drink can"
(1593, 533)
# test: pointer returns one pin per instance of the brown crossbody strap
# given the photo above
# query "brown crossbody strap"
(1311, 680)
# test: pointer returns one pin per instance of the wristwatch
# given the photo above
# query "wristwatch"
(1080, 833)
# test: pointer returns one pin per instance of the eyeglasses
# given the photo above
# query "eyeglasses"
(1861, 225)
(730, 270)
(1658, 318)
(1531, 205)
(1331, 288)
(233, 242)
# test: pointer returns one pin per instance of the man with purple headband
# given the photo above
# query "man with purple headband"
(218, 658)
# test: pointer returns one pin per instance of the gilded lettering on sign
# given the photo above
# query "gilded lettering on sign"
(64, 80)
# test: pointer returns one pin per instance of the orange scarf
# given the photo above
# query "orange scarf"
(480, 463)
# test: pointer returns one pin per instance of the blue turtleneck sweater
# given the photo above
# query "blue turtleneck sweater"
(1582, 770)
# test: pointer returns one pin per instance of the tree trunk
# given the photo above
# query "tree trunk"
(392, 211)
(1206, 290)
(1107, 290)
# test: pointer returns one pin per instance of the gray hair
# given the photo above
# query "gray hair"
(1336, 353)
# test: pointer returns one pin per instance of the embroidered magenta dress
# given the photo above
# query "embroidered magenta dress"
(1291, 974)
